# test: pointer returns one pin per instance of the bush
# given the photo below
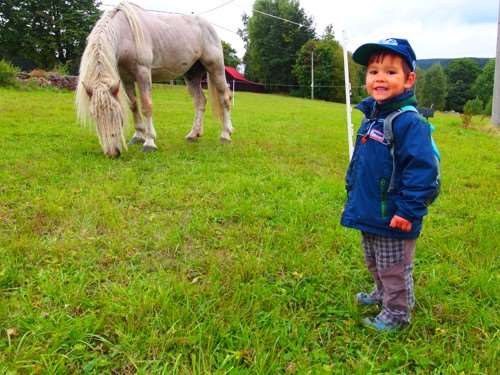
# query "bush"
(8, 73)
(466, 120)
(38, 73)
(474, 107)
(61, 69)
(488, 108)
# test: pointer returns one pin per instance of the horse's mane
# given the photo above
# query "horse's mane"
(133, 21)
(99, 63)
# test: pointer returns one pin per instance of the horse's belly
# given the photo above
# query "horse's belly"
(162, 74)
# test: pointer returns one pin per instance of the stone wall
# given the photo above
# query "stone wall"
(45, 79)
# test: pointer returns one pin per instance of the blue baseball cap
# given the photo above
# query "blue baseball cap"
(400, 47)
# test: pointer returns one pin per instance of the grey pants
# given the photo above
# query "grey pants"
(390, 261)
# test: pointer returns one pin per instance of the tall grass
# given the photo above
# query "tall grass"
(207, 258)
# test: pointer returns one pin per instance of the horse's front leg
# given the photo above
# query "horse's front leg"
(140, 129)
(145, 86)
(194, 87)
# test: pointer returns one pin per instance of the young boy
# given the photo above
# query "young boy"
(389, 186)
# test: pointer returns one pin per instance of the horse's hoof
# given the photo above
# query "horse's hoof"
(135, 141)
(192, 139)
(225, 141)
(149, 149)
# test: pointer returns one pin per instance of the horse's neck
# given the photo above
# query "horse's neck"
(100, 58)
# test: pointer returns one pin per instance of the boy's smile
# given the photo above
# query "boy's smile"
(385, 78)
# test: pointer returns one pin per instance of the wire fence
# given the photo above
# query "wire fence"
(180, 81)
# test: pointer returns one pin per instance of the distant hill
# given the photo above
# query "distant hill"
(427, 63)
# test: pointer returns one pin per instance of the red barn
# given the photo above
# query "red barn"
(240, 82)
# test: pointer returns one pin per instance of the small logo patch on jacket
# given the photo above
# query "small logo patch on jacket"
(376, 135)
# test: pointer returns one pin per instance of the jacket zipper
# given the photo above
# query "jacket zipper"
(383, 197)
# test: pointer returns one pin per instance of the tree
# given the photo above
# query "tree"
(272, 44)
(474, 107)
(328, 70)
(46, 33)
(483, 85)
(434, 89)
(359, 90)
(230, 57)
(419, 84)
(461, 74)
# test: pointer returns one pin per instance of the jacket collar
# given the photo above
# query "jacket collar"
(372, 109)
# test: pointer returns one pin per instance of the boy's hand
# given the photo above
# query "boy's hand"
(400, 223)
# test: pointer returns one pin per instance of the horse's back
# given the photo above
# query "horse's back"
(176, 33)
(171, 44)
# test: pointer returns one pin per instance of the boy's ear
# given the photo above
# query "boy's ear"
(410, 81)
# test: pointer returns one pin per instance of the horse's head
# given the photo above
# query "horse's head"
(107, 111)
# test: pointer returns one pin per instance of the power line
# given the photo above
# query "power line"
(217, 7)
(306, 86)
(184, 14)
(224, 28)
(255, 10)
(149, 10)
(279, 18)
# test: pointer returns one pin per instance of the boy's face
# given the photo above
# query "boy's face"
(385, 78)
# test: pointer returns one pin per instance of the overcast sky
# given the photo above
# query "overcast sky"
(435, 28)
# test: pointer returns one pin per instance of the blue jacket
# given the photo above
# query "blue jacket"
(370, 206)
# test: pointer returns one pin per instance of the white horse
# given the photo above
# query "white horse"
(130, 45)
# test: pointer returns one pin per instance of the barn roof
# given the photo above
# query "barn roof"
(238, 76)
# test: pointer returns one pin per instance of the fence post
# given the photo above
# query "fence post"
(495, 113)
(312, 74)
(347, 84)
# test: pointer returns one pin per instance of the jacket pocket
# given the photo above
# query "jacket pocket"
(351, 171)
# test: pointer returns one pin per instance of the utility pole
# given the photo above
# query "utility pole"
(312, 74)
(234, 84)
(495, 115)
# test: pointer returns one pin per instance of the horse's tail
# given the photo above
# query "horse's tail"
(215, 99)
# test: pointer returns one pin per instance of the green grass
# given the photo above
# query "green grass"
(207, 258)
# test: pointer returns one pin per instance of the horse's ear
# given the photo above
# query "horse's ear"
(87, 89)
(115, 88)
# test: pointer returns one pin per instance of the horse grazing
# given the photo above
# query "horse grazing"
(130, 45)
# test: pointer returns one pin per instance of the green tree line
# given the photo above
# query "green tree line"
(461, 86)
(45, 33)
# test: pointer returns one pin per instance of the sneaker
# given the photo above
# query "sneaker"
(367, 299)
(380, 325)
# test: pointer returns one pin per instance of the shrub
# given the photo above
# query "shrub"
(8, 73)
(38, 73)
(474, 106)
(466, 120)
(61, 69)
(488, 108)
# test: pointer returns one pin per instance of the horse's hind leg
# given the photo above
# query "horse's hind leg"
(145, 86)
(140, 129)
(193, 80)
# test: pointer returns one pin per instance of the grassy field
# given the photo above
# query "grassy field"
(228, 259)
